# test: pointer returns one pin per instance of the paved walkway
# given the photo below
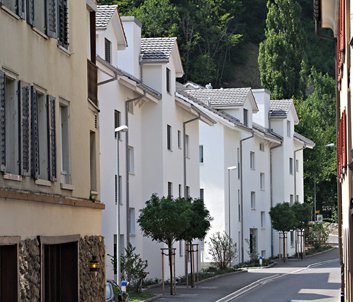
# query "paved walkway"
(215, 289)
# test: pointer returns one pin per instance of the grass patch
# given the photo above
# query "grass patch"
(137, 297)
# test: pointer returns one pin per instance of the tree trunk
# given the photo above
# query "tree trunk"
(191, 264)
(284, 247)
(170, 256)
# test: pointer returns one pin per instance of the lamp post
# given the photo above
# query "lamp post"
(122, 128)
(229, 169)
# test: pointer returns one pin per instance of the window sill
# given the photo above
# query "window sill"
(64, 50)
(43, 182)
(253, 209)
(10, 12)
(14, 177)
(40, 33)
(132, 173)
(65, 186)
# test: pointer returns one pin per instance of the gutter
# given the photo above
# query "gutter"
(242, 195)
(127, 158)
(184, 156)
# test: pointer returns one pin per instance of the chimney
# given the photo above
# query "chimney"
(262, 98)
(129, 58)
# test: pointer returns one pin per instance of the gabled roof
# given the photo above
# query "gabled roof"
(222, 98)
(104, 14)
(280, 109)
(156, 49)
(308, 143)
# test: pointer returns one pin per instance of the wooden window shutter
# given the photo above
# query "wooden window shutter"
(52, 17)
(25, 140)
(52, 138)
(30, 12)
(21, 8)
(63, 23)
(34, 134)
(2, 123)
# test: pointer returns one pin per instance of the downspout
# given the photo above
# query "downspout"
(127, 156)
(242, 195)
(271, 181)
(295, 172)
(184, 157)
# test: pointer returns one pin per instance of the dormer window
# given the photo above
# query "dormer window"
(108, 50)
(245, 117)
(168, 79)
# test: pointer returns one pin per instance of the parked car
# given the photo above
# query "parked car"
(110, 294)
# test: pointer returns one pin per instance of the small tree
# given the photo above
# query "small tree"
(164, 220)
(302, 212)
(199, 224)
(283, 220)
(222, 250)
(132, 264)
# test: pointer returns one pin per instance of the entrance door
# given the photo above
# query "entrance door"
(8, 273)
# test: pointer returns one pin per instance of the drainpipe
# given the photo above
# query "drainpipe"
(295, 172)
(184, 157)
(242, 195)
(127, 102)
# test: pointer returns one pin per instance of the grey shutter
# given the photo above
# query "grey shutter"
(30, 12)
(63, 23)
(51, 138)
(21, 7)
(52, 18)
(2, 123)
(25, 129)
(34, 134)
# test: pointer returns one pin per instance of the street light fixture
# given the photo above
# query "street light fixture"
(122, 128)
(229, 169)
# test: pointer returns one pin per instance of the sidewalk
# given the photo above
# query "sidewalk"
(217, 288)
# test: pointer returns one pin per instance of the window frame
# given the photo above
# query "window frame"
(107, 50)
(252, 160)
(169, 138)
(252, 200)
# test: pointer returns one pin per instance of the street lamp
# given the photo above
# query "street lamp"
(122, 128)
(229, 169)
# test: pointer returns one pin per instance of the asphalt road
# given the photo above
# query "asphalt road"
(312, 279)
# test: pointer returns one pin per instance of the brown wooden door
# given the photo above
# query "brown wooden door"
(8, 273)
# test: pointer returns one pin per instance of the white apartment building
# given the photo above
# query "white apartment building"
(238, 173)
(137, 89)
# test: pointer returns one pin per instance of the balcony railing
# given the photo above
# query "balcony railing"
(92, 81)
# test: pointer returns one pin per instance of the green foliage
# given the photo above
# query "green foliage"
(132, 264)
(283, 217)
(318, 235)
(222, 250)
(317, 121)
(302, 213)
(281, 55)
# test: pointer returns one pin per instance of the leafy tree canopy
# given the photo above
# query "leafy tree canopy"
(283, 217)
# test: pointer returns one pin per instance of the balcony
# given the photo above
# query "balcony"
(92, 82)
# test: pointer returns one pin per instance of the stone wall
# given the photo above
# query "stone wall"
(29, 269)
(92, 285)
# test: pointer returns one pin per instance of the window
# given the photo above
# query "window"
(170, 189)
(56, 274)
(292, 238)
(263, 254)
(179, 139)
(291, 199)
(181, 248)
(132, 221)
(64, 142)
(187, 192)
(11, 5)
(180, 191)
(263, 217)
(296, 198)
(40, 15)
(117, 122)
(131, 167)
(296, 165)
(130, 107)
(168, 80)
(187, 146)
(201, 154)
(239, 207)
(252, 160)
(108, 50)
(63, 36)
(27, 123)
(93, 164)
(238, 162)
(202, 194)
(288, 129)
(9, 270)
(290, 165)
(169, 137)
(262, 147)
(245, 117)
(262, 181)
(252, 202)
